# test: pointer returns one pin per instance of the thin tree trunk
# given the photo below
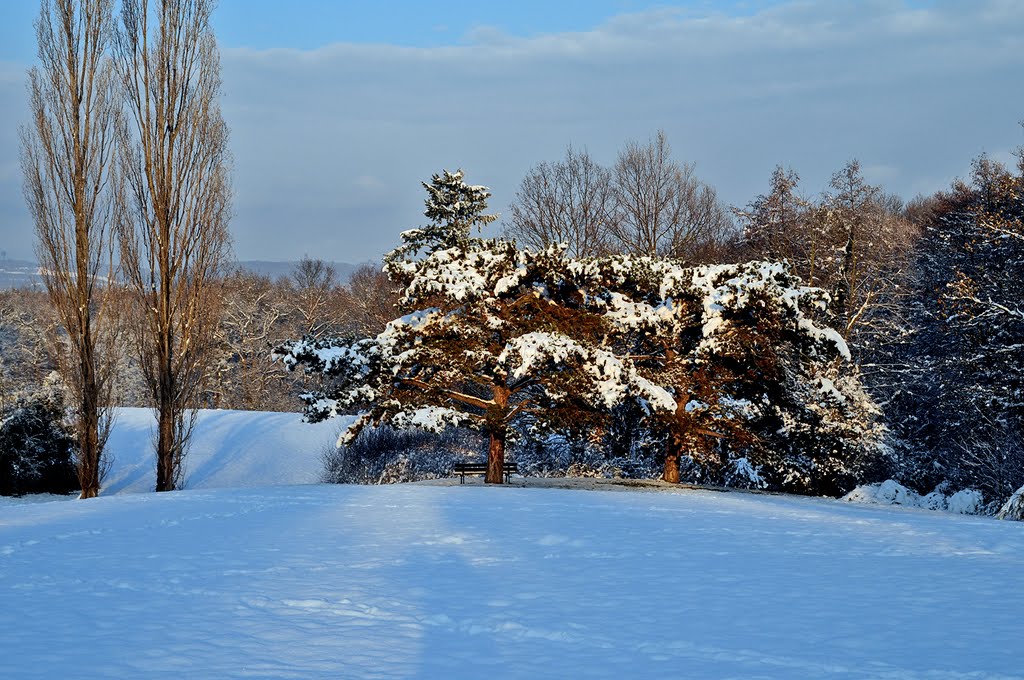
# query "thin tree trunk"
(165, 445)
(88, 427)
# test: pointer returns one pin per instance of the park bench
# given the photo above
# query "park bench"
(463, 469)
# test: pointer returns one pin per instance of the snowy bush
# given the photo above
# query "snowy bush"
(384, 455)
(37, 447)
(1014, 507)
(742, 474)
(890, 492)
(965, 502)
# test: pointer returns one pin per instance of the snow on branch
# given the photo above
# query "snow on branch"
(611, 380)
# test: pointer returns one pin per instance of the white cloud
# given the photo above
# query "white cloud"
(331, 144)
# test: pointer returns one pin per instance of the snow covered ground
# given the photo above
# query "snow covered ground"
(436, 581)
(229, 449)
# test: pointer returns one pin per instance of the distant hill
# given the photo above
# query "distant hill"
(25, 274)
(19, 274)
(276, 270)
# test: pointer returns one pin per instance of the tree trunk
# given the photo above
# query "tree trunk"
(88, 441)
(496, 458)
(670, 472)
(89, 450)
(498, 434)
(165, 448)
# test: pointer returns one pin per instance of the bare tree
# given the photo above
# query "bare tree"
(774, 224)
(569, 202)
(370, 301)
(67, 159)
(865, 245)
(315, 289)
(992, 456)
(28, 326)
(252, 324)
(662, 209)
(175, 209)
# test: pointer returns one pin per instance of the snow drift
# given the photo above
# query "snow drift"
(229, 449)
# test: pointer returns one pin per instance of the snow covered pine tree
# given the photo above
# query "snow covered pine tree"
(487, 339)
(766, 396)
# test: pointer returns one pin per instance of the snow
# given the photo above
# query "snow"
(429, 418)
(828, 335)
(890, 492)
(255, 572)
(229, 449)
(419, 581)
(612, 379)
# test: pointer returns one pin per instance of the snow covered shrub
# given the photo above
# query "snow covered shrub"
(891, 492)
(37, 447)
(966, 502)
(383, 455)
(741, 474)
(548, 456)
(622, 448)
(1014, 507)
(991, 458)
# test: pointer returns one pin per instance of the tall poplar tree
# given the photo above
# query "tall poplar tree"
(175, 209)
(68, 158)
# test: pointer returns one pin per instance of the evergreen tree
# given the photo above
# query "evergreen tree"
(37, 447)
(486, 340)
(765, 394)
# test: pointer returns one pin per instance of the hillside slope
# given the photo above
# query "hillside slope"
(229, 449)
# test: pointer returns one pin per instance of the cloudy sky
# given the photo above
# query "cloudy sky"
(338, 109)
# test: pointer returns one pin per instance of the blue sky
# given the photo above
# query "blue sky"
(314, 23)
(338, 109)
(308, 24)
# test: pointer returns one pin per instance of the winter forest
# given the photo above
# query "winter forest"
(615, 321)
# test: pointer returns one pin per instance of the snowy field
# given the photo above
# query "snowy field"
(435, 581)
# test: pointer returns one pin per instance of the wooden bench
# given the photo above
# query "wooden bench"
(463, 469)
